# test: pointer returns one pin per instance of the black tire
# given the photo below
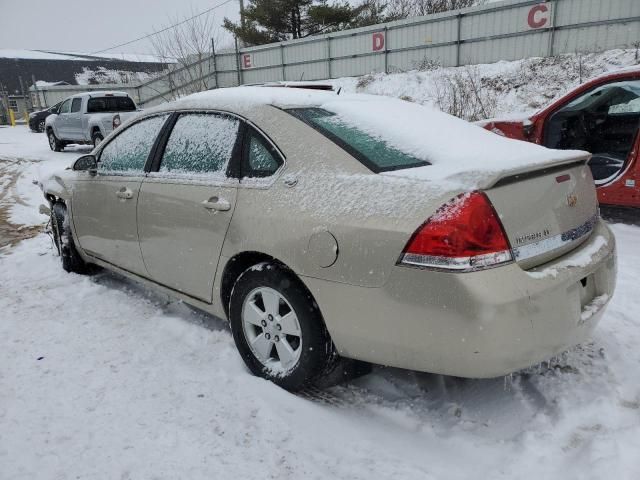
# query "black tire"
(40, 126)
(54, 144)
(317, 353)
(96, 138)
(71, 259)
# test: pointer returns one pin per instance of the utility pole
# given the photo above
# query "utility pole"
(242, 13)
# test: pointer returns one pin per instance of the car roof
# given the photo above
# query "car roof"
(241, 99)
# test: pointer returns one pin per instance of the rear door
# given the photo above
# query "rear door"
(104, 205)
(186, 205)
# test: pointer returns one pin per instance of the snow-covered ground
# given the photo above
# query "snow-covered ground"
(102, 378)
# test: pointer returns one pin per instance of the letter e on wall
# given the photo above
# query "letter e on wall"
(378, 41)
(246, 60)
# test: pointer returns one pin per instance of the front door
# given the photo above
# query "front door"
(186, 206)
(104, 205)
(62, 122)
(603, 121)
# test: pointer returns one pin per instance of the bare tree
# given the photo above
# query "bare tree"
(188, 46)
(414, 8)
(461, 92)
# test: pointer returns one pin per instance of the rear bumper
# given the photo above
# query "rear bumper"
(480, 324)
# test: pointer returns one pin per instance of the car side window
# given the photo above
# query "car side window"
(66, 106)
(260, 158)
(75, 105)
(200, 143)
(128, 151)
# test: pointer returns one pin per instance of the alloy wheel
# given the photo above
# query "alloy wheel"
(272, 329)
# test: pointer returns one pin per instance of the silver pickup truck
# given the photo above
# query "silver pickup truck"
(87, 118)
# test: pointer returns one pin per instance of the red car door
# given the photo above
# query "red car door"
(601, 117)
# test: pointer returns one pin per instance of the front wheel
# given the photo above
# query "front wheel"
(41, 126)
(54, 144)
(71, 259)
(278, 329)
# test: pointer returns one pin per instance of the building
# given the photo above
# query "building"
(22, 69)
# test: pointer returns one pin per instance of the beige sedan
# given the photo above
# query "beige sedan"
(329, 226)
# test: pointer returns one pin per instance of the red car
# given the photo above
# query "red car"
(601, 116)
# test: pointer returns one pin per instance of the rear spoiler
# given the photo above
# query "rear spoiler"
(521, 173)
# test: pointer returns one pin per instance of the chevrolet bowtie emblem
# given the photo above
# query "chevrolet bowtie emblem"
(572, 200)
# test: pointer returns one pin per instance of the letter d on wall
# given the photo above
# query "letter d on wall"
(378, 41)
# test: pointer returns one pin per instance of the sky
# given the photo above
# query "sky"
(84, 26)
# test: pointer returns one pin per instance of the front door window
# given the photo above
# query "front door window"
(128, 152)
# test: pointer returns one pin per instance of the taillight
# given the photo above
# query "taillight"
(464, 234)
(116, 121)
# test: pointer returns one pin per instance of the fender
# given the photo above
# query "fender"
(55, 187)
(50, 122)
(93, 124)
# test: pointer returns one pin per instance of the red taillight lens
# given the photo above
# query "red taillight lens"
(464, 234)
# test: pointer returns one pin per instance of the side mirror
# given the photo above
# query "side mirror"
(86, 163)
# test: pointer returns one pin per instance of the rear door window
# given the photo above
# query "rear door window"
(110, 104)
(200, 143)
(128, 152)
(373, 152)
(260, 159)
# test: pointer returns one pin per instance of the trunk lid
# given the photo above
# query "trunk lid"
(546, 213)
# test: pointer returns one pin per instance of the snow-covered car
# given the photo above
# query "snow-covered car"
(326, 225)
(601, 116)
(87, 118)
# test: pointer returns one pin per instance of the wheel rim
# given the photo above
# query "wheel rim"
(41, 126)
(272, 329)
(52, 141)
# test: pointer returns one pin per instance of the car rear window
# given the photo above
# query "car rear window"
(110, 104)
(373, 152)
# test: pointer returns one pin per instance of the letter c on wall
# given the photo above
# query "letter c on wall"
(538, 16)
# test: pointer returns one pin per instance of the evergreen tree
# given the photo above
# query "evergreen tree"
(267, 21)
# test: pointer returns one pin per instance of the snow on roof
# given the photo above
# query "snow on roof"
(456, 149)
(48, 55)
(127, 57)
(34, 55)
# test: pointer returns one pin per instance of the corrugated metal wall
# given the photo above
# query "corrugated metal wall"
(508, 30)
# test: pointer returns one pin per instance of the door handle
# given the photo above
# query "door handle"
(124, 193)
(215, 203)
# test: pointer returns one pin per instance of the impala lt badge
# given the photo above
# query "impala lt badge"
(572, 200)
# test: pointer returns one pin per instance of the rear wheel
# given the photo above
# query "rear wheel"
(54, 144)
(41, 126)
(97, 138)
(71, 259)
(278, 328)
